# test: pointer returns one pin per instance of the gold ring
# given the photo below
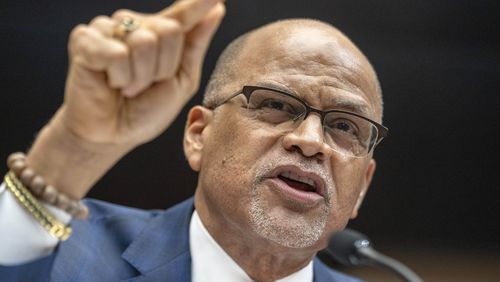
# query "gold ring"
(124, 27)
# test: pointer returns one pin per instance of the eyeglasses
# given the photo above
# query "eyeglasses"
(345, 132)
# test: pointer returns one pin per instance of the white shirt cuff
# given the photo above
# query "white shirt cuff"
(23, 239)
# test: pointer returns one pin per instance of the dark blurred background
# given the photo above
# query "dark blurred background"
(434, 202)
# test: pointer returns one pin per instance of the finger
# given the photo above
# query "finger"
(143, 49)
(119, 71)
(197, 42)
(94, 51)
(189, 12)
(104, 24)
(170, 45)
(124, 13)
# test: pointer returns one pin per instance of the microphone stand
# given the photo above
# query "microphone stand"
(375, 258)
(352, 248)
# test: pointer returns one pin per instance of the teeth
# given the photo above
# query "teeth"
(293, 176)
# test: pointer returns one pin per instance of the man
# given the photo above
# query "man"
(283, 145)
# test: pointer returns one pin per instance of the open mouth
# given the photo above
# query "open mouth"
(295, 181)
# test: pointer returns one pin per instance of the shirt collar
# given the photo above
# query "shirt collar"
(211, 263)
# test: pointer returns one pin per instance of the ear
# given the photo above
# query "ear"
(370, 170)
(198, 119)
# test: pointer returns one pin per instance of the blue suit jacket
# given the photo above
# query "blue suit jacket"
(124, 244)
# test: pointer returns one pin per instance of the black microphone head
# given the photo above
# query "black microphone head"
(343, 247)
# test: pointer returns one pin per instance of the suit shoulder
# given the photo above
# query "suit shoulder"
(113, 221)
(101, 210)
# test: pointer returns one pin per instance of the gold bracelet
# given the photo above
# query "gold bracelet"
(33, 206)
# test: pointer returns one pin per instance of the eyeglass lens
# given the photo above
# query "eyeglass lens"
(343, 132)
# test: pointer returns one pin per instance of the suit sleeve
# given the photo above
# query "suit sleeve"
(35, 271)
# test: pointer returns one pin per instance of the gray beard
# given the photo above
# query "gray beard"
(291, 233)
(287, 232)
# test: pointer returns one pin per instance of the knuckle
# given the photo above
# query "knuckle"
(78, 31)
(168, 28)
(121, 13)
(174, 26)
(76, 38)
(99, 19)
(142, 38)
(118, 52)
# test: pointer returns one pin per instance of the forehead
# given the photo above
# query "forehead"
(319, 65)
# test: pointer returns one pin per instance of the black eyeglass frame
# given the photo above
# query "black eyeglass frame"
(247, 91)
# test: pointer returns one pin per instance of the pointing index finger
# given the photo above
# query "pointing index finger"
(189, 12)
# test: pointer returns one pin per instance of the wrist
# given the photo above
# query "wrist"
(69, 162)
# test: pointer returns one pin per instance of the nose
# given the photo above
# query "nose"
(308, 138)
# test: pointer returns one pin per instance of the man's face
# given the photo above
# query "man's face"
(251, 171)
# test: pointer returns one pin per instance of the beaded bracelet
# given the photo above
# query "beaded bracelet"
(46, 192)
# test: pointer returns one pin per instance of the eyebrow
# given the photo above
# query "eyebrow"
(351, 106)
(338, 102)
(276, 86)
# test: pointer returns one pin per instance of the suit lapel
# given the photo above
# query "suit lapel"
(320, 272)
(323, 273)
(161, 251)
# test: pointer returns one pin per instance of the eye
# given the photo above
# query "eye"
(274, 104)
(274, 107)
(343, 125)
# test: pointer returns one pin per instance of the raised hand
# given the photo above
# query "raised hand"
(129, 76)
(128, 88)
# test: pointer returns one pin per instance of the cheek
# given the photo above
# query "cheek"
(349, 179)
(233, 150)
(241, 142)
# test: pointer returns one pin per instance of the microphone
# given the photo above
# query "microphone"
(351, 248)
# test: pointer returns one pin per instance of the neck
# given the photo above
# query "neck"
(260, 258)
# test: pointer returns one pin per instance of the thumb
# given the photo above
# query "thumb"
(197, 42)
